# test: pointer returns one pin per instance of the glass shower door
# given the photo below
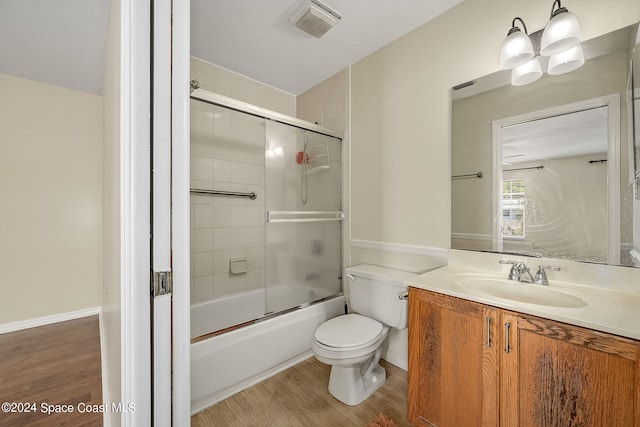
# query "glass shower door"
(227, 217)
(304, 213)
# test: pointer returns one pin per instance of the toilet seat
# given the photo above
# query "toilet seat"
(349, 332)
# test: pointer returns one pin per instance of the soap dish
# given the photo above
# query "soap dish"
(238, 266)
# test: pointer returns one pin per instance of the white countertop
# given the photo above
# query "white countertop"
(607, 309)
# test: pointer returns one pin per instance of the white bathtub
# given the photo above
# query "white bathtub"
(228, 363)
(215, 315)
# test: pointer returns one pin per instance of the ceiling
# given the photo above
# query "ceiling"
(60, 42)
(255, 38)
(568, 135)
(63, 42)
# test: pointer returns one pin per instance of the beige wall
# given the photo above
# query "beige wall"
(51, 187)
(326, 103)
(224, 82)
(400, 126)
(561, 217)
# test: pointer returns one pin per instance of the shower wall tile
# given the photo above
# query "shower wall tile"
(238, 238)
(202, 240)
(222, 126)
(255, 279)
(228, 155)
(202, 169)
(238, 216)
(201, 185)
(220, 262)
(226, 284)
(255, 216)
(221, 170)
(203, 288)
(237, 172)
(221, 216)
(203, 216)
(202, 265)
(255, 257)
(254, 175)
(255, 236)
(221, 239)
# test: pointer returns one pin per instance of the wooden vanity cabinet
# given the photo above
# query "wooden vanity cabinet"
(475, 365)
(557, 374)
(453, 374)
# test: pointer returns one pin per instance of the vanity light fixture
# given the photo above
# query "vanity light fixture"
(560, 41)
(561, 33)
(516, 48)
(567, 61)
(526, 73)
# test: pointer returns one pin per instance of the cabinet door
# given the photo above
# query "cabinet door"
(453, 377)
(561, 375)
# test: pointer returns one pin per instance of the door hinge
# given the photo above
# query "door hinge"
(162, 283)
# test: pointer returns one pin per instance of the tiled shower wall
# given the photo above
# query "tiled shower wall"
(227, 153)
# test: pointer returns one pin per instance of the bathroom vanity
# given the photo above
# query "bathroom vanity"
(518, 354)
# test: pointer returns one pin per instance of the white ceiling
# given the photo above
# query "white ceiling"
(61, 42)
(575, 134)
(256, 39)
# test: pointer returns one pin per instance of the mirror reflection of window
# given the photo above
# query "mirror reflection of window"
(513, 201)
(555, 165)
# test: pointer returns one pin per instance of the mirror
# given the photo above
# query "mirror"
(547, 169)
(633, 105)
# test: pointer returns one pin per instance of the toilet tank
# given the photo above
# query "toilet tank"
(375, 292)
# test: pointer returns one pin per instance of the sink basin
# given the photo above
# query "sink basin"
(520, 292)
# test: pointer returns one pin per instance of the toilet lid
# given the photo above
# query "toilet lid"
(348, 331)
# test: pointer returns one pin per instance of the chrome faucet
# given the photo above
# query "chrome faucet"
(541, 275)
(519, 271)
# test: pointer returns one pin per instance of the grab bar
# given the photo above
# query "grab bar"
(251, 195)
(294, 216)
(469, 175)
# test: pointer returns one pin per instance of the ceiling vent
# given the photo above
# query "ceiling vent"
(315, 18)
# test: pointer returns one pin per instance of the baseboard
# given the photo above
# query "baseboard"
(471, 236)
(104, 367)
(47, 320)
(395, 359)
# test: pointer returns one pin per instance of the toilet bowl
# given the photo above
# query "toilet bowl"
(352, 344)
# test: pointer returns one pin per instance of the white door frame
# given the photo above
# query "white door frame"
(135, 131)
(613, 166)
(180, 122)
(135, 178)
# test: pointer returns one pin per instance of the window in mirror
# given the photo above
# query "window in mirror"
(513, 201)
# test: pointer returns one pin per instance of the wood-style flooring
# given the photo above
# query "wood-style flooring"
(299, 397)
(56, 365)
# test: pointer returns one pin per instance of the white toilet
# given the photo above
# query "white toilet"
(351, 344)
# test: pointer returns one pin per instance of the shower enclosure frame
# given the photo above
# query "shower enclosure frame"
(225, 363)
(232, 104)
(244, 107)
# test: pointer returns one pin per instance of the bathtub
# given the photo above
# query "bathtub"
(230, 362)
